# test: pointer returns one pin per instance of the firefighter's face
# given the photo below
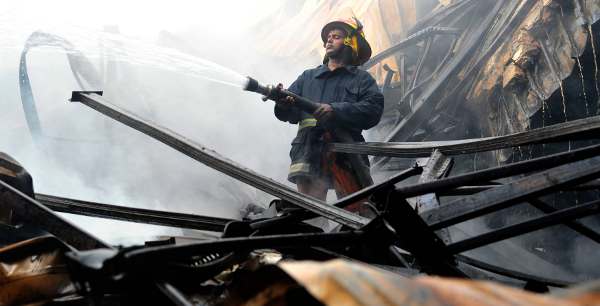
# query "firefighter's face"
(335, 42)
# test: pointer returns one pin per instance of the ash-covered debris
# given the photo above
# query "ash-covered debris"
(497, 99)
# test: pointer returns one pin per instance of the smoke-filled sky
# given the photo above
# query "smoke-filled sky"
(146, 18)
(151, 57)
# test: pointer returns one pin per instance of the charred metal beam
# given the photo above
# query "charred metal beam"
(343, 202)
(465, 190)
(437, 166)
(469, 190)
(12, 173)
(414, 235)
(361, 194)
(214, 160)
(24, 209)
(389, 74)
(591, 185)
(162, 254)
(173, 294)
(490, 174)
(409, 41)
(572, 224)
(511, 273)
(421, 61)
(131, 214)
(426, 102)
(512, 193)
(525, 227)
(581, 127)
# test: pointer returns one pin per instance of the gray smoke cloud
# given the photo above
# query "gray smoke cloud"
(86, 156)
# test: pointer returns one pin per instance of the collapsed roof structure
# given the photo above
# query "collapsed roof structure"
(496, 100)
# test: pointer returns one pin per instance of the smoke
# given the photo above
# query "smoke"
(86, 156)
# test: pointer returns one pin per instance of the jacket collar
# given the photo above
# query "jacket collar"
(323, 70)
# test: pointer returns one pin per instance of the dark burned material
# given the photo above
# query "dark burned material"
(508, 62)
(382, 241)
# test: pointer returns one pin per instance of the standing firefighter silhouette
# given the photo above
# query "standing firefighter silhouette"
(349, 102)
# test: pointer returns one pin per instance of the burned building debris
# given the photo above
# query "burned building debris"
(489, 134)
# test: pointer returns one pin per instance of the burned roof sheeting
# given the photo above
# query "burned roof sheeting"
(341, 282)
(466, 69)
(517, 65)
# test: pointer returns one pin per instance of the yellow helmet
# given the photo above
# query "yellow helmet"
(355, 38)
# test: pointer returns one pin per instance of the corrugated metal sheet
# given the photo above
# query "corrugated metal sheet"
(340, 282)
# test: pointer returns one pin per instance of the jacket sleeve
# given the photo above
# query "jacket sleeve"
(289, 113)
(366, 112)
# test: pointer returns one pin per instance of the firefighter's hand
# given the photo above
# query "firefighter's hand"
(285, 101)
(324, 112)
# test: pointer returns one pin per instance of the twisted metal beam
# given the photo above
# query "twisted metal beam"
(553, 133)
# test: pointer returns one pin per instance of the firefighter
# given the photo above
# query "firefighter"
(350, 103)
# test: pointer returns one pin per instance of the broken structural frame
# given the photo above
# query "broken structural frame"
(429, 99)
(581, 173)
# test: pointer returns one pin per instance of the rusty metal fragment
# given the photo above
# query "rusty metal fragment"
(340, 282)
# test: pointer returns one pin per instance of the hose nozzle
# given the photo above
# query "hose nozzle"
(277, 93)
(268, 91)
(254, 86)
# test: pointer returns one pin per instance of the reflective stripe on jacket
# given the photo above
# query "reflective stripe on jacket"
(357, 105)
(353, 94)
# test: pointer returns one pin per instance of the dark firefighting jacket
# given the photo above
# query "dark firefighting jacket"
(357, 105)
